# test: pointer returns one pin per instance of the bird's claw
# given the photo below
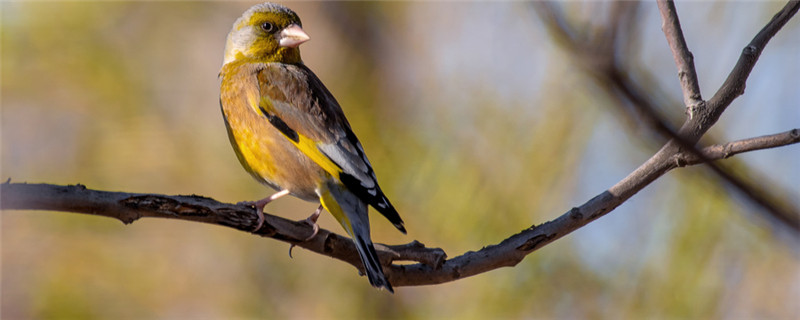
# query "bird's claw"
(312, 221)
(260, 204)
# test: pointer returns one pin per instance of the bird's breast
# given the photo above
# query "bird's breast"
(261, 148)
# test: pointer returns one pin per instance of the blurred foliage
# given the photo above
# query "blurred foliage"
(476, 124)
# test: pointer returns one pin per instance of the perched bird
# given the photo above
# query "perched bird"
(289, 132)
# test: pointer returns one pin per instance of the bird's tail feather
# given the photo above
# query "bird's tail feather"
(351, 213)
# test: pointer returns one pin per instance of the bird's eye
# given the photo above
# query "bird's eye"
(268, 27)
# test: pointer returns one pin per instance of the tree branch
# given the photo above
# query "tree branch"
(610, 76)
(684, 59)
(129, 207)
(706, 115)
(433, 267)
(727, 150)
(697, 125)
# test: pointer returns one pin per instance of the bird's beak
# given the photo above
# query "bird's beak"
(292, 36)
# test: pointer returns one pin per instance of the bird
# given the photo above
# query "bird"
(289, 132)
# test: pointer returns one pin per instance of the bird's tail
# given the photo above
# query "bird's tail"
(351, 213)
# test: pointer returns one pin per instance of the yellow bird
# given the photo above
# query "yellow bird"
(289, 132)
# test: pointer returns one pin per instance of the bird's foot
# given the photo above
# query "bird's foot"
(312, 221)
(260, 204)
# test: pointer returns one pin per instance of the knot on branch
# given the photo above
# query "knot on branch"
(534, 242)
(680, 162)
(727, 151)
(575, 213)
(698, 106)
(416, 251)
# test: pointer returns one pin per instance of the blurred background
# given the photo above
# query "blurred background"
(480, 120)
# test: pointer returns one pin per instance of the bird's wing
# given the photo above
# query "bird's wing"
(296, 102)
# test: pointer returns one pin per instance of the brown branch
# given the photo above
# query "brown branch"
(610, 76)
(684, 59)
(433, 267)
(724, 151)
(704, 116)
(786, 216)
(128, 206)
(734, 85)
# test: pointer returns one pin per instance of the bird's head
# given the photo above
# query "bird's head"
(266, 32)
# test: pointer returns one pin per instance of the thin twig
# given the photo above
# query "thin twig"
(684, 59)
(727, 150)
